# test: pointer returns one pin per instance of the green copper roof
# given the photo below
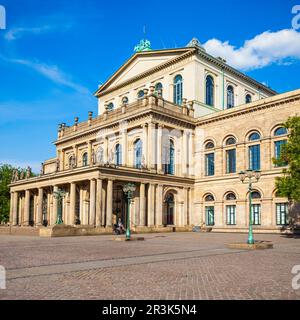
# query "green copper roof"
(144, 45)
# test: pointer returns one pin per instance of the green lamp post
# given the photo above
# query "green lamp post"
(250, 175)
(59, 195)
(128, 189)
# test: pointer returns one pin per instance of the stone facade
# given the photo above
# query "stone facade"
(161, 147)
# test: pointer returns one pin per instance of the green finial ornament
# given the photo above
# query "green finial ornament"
(144, 45)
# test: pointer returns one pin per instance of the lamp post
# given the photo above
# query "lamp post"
(250, 175)
(128, 189)
(59, 195)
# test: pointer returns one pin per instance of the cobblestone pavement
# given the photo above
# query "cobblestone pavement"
(164, 266)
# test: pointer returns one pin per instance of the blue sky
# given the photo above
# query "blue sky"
(53, 55)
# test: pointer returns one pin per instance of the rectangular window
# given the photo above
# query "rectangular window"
(278, 148)
(210, 216)
(231, 161)
(255, 214)
(230, 212)
(210, 164)
(281, 214)
(254, 157)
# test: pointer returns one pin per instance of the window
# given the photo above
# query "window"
(140, 94)
(125, 100)
(230, 141)
(281, 214)
(230, 97)
(158, 88)
(209, 91)
(85, 159)
(209, 198)
(255, 214)
(210, 164)
(230, 213)
(248, 98)
(209, 145)
(280, 131)
(169, 158)
(110, 106)
(278, 149)
(118, 155)
(178, 90)
(231, 161)
(254, 136)
(209, 216)
(230, 196)
(254, 157)
(255, 195)
(138, 146)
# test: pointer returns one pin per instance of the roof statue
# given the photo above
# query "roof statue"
(195, 43)
(144, 45)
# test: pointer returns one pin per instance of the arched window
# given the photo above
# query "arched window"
(85, 159)
(110, 106)
(230, 141)
(210, 91)
(230, 97)
(254, 136)
(138, 149)
(100, 157)
(158, 88)
(209, 145)
(178, 89)
(209, 198)
(255, 195)
(125, 100)
(280, 131)
(118, 155)
(169, 163)
(230, 196)
(140, 94)
(170, 208)
(248, 98)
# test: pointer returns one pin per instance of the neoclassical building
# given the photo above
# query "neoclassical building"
(179, 124)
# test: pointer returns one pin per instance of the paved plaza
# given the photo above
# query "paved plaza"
(164, 266)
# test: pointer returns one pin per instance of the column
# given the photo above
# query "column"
(145, 143)
(159, 205)
(183, 152)
(90, 152)
(40, 208)
(150, 209)
(82, 217)
(75, 150)
(159, 147)
(11, 208)
(62, 162)
(186, 208)
(109, 197)
(99, 203)
(105, 151)
(191, 211)
(124, 147)
(151, 145)
(191, 154)
(142, 205)
(15, 209)
(55, 203)
(72, 202)
(92, 202)
(27, 208)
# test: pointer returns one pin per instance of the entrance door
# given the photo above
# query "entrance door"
(170, 209)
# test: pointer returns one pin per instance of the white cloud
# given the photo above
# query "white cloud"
(16, 33)
(263, 50)
(51, 72)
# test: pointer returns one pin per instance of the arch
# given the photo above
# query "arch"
(140, 94)
(230, 196)
(170, 208)
(230, 97)
(208, 145)
(125, 100)
(110, 106)
(178, 89)
(248, 98)
(210, 90)
(118, 154)
(254, 136)
(256, 189)
(209, 197)
(138, 149)
(249, 132)
(158, 88)
(230, 140)
(255, 194)
(84, 159)
(280, 131)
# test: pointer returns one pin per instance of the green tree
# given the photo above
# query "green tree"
(6, 172)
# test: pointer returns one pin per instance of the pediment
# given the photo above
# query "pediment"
(140, 63)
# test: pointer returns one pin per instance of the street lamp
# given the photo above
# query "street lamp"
(128, 189)
(59, 195)
(250, 174)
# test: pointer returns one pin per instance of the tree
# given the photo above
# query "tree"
(6, 172)
(289, 184)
